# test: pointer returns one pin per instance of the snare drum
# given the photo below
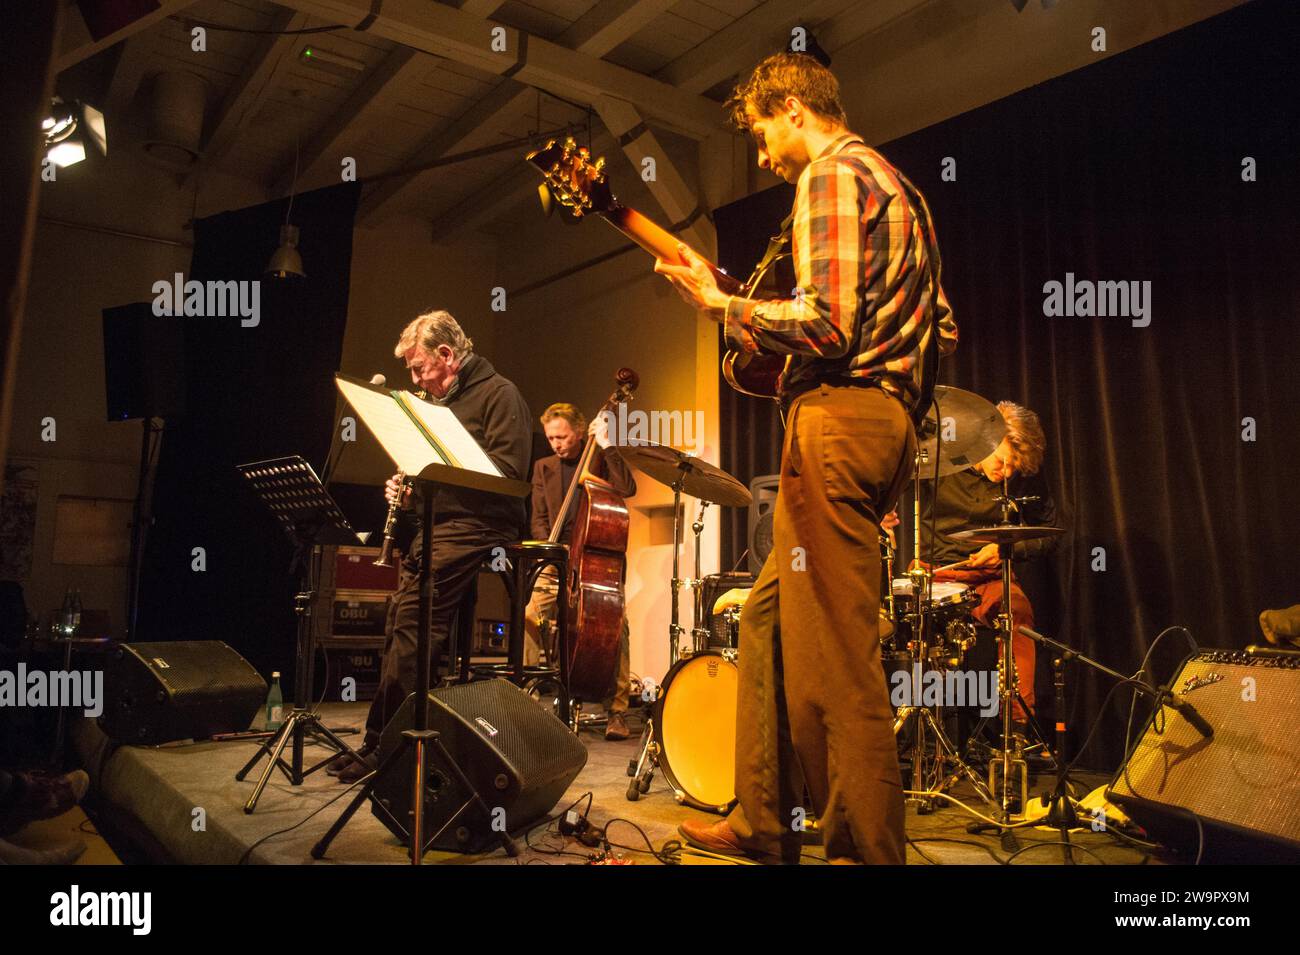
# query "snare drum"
(695, 730)
(948, 595)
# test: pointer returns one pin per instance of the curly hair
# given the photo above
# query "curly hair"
(1025, 435)
(782, 75)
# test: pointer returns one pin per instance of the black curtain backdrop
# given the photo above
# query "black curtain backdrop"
(252, 393)
(1127, 170)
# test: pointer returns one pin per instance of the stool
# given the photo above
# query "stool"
(527, 560)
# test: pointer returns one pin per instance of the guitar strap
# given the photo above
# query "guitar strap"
(777, 246)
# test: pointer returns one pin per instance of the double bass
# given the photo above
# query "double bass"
(597, 566)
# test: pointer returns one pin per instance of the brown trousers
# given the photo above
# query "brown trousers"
(812, 701)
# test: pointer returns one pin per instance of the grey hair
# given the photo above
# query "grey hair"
(434, 328)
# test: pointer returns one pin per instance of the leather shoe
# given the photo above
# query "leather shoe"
(343, 760)
(616, 727)
(359, 768)
(716, 837)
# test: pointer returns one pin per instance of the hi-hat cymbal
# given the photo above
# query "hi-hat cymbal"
(699, 479)
(973, 428)
(1006, 533)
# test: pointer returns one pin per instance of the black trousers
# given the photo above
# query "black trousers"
(458, 552)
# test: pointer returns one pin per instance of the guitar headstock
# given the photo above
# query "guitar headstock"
(577, 183)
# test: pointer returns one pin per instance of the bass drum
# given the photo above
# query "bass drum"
(695, 730)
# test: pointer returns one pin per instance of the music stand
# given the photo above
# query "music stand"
(434, 449)
(295, 496)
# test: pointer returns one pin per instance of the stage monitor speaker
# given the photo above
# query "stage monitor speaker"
(1234, 796)
(183, 689)
(144, 360)
(517, 755)
(763, 489)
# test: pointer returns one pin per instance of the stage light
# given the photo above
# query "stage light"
(72, 131)
(285, 261)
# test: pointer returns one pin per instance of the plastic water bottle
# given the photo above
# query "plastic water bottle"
(274, 704)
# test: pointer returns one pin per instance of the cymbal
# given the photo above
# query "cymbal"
(974, 429)
(1006, 533)
(699, 479)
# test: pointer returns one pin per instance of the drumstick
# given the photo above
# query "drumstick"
(960, 563)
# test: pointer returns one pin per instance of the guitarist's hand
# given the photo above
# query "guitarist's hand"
(695, 283)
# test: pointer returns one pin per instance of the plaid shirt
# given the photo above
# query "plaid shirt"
(867, 265)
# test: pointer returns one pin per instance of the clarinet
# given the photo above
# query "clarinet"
(386, 549)
(385, 558)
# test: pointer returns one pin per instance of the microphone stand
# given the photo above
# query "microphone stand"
(1061, 814)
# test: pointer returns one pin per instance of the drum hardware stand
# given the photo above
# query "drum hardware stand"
(642, 767)
(700, 633)
(311, 518)
(944, 751)
(1011, 757)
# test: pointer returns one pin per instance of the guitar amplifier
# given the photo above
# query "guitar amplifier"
(1234, 796)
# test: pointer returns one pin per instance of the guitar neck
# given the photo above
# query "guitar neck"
(661, 243)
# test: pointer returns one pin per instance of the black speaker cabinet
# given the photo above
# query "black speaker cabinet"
(184, 689)
(763, 488)
(517, 755)
(1236, 795)
(144, 362)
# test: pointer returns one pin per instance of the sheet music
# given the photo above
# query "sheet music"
(391, 426)
(465, 452)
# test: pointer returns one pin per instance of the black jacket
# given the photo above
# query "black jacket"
(549, 488)
(495, 414)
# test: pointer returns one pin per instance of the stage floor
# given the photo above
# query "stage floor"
(181, 803)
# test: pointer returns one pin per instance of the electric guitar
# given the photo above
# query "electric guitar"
(582, 188)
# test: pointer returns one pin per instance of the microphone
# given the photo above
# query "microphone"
(1188, 713)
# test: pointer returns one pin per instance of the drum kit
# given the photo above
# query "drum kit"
(928, 624)
(924, 623)
(691, 732)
